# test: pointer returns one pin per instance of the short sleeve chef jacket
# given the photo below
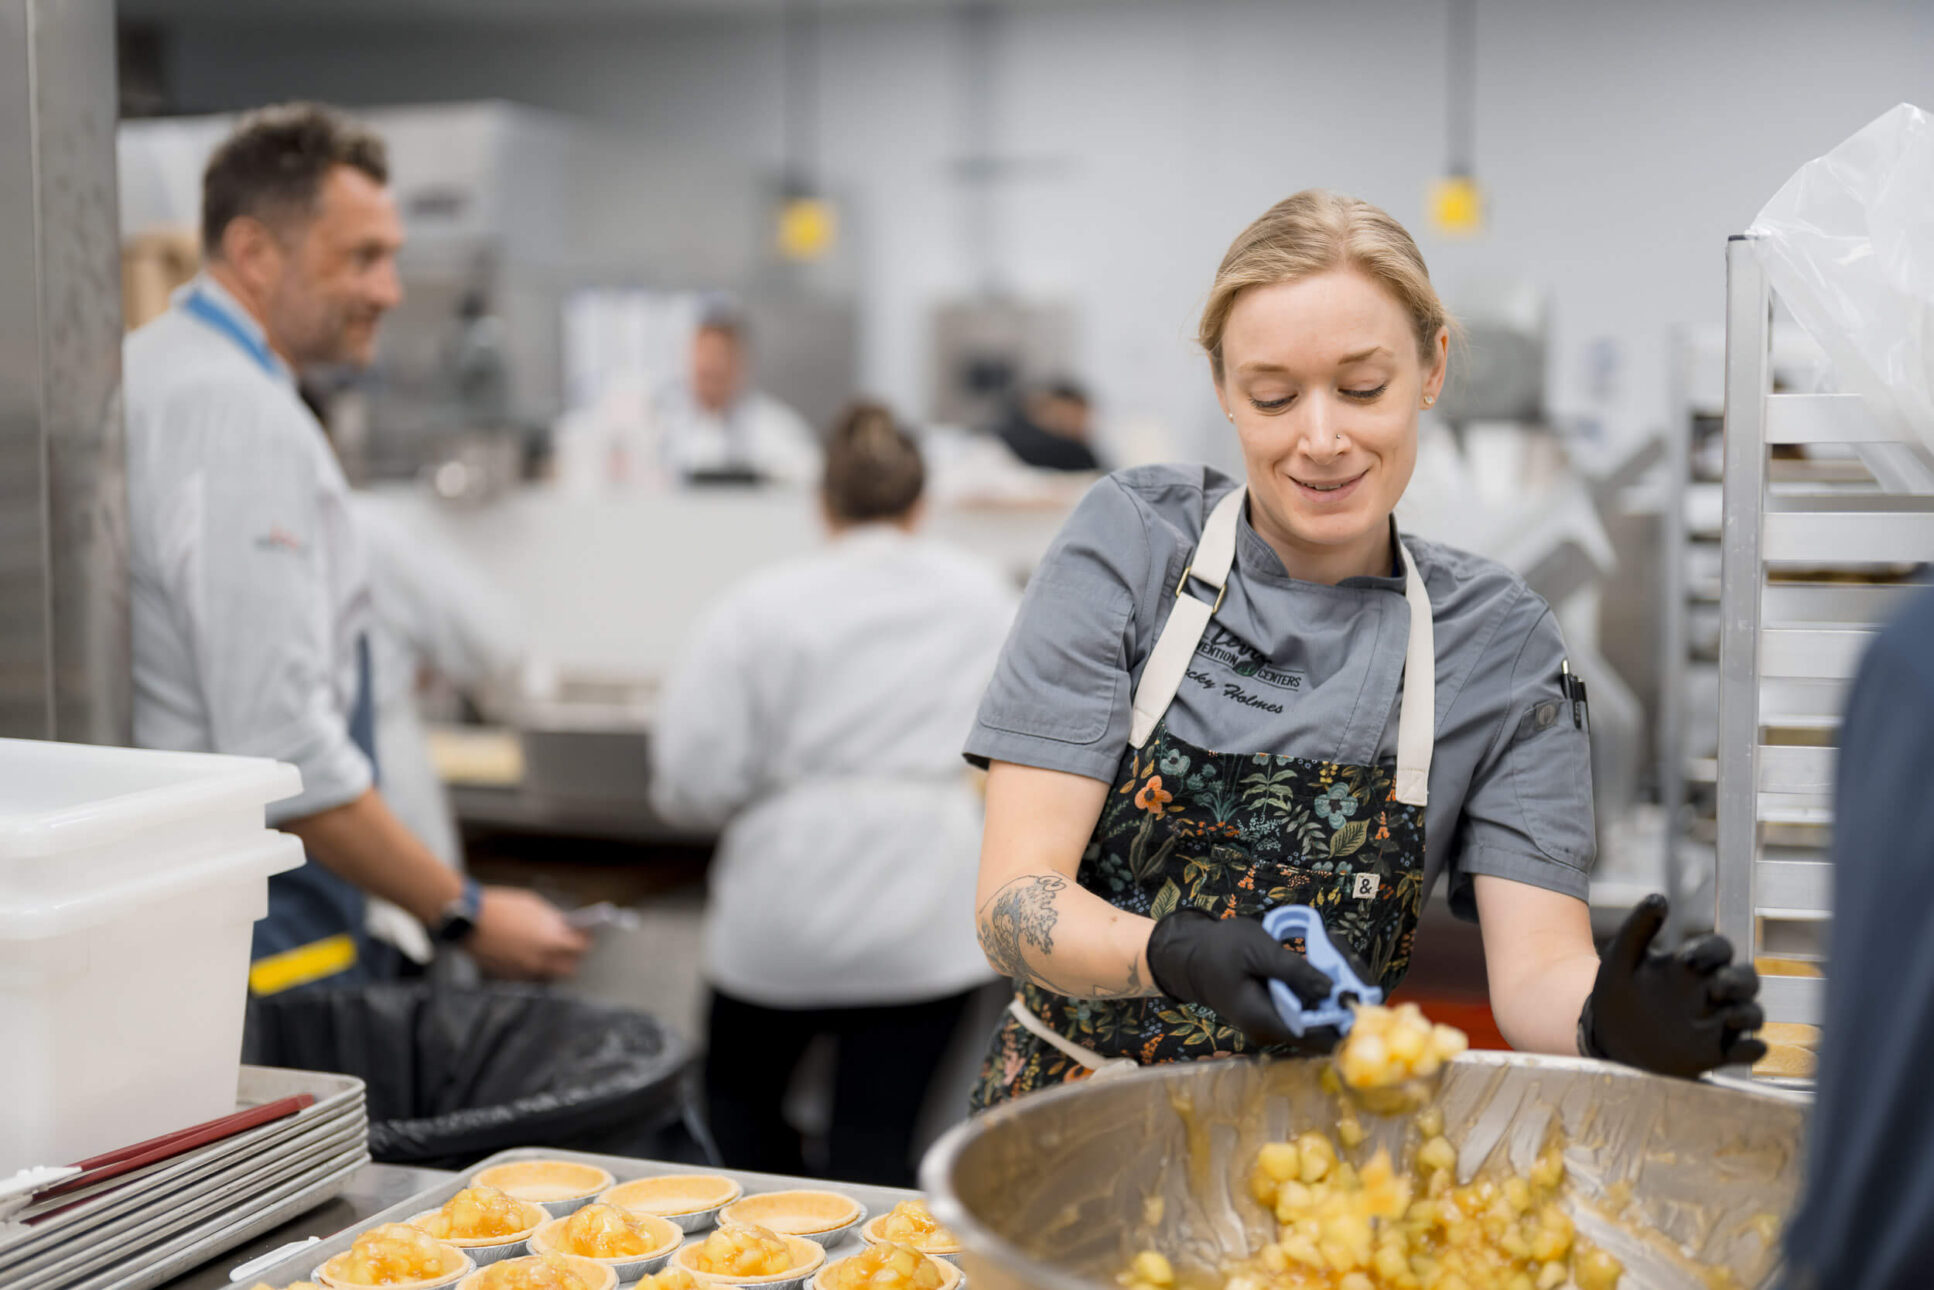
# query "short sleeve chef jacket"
(1305, 670)
(250, 594)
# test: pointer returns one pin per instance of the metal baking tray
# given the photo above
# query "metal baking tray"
(190, 1249)
(223, 1196)
(336, 1096)
(191, 1182)
(300, 1263)
(170, 1193)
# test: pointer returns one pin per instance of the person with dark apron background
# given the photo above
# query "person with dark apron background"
(1222, 696)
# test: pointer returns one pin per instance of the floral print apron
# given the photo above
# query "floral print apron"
(1233, 834)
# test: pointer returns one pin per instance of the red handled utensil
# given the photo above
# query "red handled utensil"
(125, 1160)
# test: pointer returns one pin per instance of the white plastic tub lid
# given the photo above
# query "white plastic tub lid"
(229, 869)
(58, 797)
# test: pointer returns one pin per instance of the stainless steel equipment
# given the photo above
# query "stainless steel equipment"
(137, 1232)
(988, 350)
(1809, 568)
(64, 643)
(1058, 1190)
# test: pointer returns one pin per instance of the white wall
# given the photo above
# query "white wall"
(1618, 144)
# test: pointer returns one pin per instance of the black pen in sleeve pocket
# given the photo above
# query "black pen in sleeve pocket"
(1573, 687)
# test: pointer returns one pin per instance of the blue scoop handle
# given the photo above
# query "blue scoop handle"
(1289, 922)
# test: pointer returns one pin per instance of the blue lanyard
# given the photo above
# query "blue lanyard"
(224, 322)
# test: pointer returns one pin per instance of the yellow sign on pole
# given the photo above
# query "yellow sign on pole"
(1456, 206)
(807, 227)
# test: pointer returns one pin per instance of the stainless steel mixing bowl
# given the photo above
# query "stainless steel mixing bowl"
(1058, 1190)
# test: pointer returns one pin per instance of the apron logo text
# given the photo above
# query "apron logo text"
(1234, 653)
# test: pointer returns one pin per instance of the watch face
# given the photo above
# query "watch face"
(458, 921)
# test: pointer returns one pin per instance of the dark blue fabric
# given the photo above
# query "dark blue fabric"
(1866, 1221)
(310, 903)
(362, 714)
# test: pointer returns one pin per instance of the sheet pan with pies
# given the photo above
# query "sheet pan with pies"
(686, 1197)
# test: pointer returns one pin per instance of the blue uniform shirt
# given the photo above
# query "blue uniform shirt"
(1866, 1221)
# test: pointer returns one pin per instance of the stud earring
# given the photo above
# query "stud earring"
(1429, 399)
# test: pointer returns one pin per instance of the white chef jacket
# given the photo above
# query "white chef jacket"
(757, 432)
(249, 589)
(434, 610)
(817, 716)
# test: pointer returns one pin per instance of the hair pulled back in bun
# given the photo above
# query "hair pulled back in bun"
(873, 467)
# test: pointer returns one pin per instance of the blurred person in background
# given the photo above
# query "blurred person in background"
(716, 426)
(250, 587)
(436, 616)
(815, 719)
(1866, 1216)
(1052, 428)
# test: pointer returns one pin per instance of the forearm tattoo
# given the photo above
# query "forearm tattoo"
(1019, 920)
(1020, 915)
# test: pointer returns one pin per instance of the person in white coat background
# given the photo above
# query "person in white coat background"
(716, 424)
(435, 615)
(249, 593)
(814, 719)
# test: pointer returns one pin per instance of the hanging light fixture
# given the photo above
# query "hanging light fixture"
(1456, 202)
(807, 225)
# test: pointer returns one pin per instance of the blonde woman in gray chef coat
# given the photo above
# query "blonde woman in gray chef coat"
(1225, 695)
(816, 720)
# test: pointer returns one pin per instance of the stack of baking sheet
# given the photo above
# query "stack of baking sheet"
(142, 1228)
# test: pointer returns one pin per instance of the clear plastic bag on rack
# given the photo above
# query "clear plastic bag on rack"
(1848, 244)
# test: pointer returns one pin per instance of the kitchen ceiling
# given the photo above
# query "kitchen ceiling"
(256, 12)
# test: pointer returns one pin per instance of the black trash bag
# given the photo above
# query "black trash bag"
(456, 1074)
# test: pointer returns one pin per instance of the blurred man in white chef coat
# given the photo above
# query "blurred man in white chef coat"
(716, 426)
(814, 719)
(436, 616)
(250, 590)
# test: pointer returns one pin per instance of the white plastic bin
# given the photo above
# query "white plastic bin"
(130, 881)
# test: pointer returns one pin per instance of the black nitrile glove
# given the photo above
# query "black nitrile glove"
(1674, 1014)
(1226, 965)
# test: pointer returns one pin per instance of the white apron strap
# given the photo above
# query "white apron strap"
(1417, 716)
(1103, 1067)
(1168, 662)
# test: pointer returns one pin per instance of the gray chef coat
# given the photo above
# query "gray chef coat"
(1304, 670)
(249, 590)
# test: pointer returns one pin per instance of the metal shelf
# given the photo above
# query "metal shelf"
(1808, 546)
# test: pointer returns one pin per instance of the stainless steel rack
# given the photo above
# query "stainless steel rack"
(1811, 561)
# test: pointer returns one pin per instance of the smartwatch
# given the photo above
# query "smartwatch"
(459, 917)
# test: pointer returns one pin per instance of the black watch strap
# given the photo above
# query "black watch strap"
(459, 917)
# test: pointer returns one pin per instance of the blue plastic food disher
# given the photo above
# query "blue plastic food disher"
(1287, 922)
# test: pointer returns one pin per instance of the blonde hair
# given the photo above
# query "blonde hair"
(873, 467)
(1311, 232)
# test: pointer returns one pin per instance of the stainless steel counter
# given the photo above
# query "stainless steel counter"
(371, 1190)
